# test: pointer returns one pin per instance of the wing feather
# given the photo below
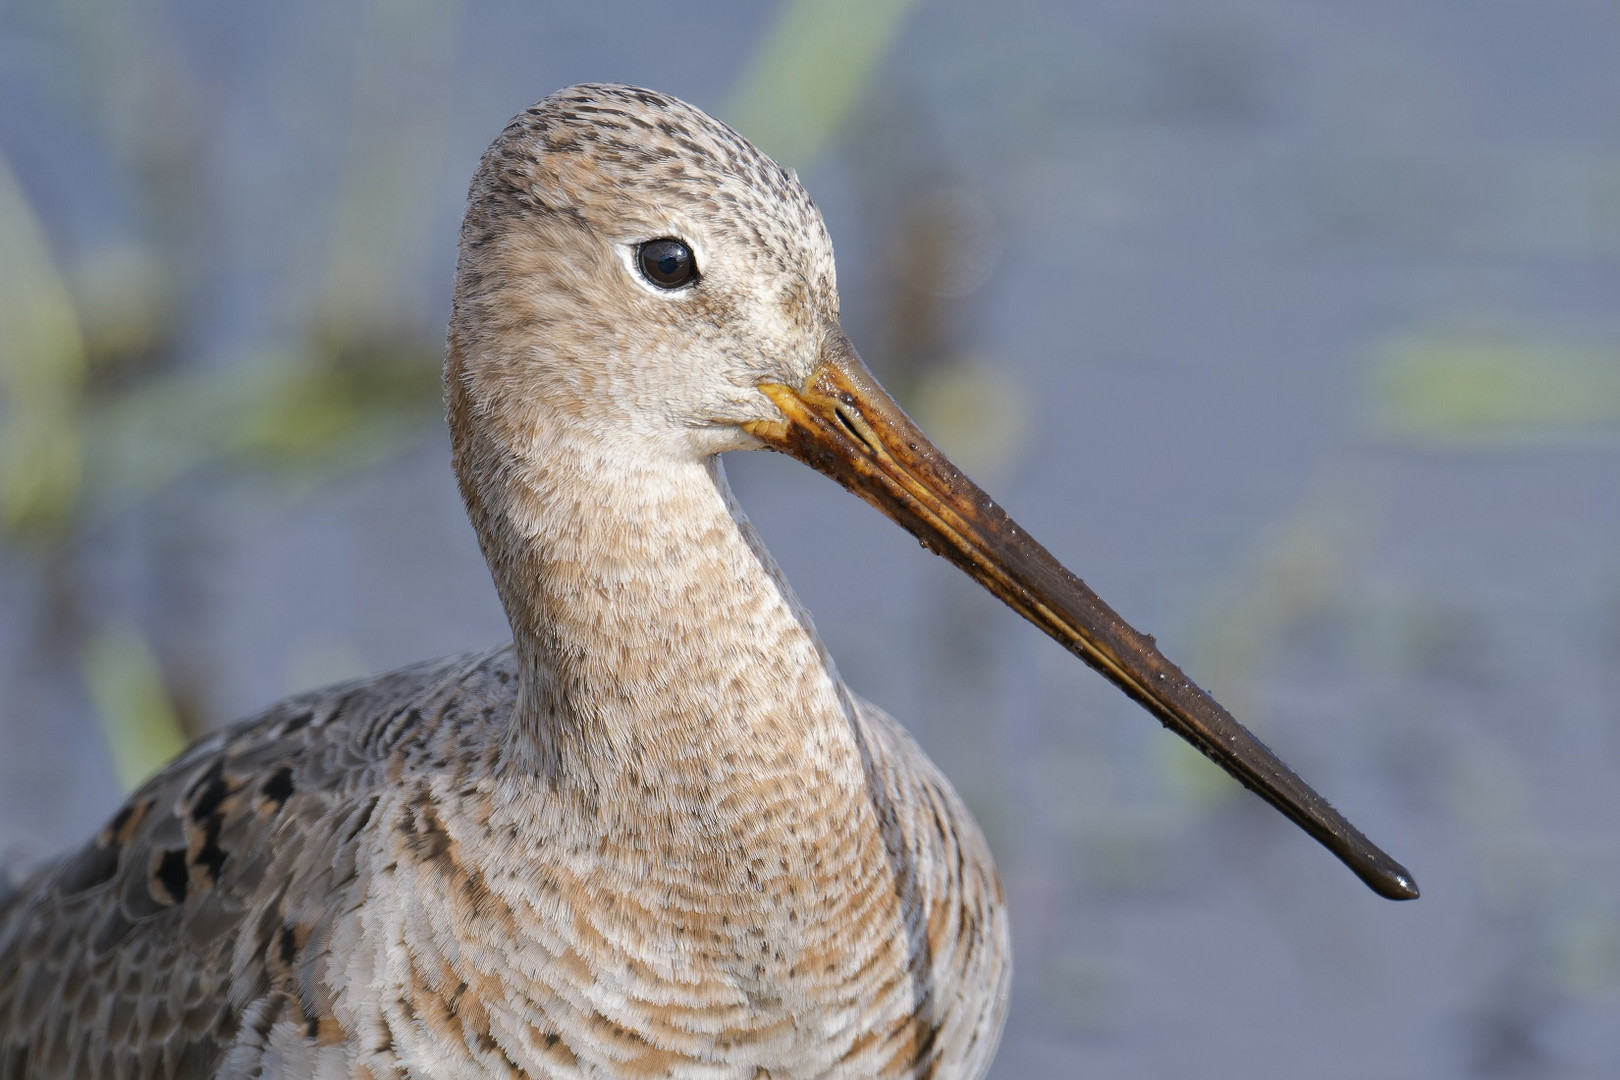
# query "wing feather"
(186, 922)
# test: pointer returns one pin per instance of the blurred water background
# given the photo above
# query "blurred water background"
(1294, 327)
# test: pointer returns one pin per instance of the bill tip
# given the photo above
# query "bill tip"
(1394, 883)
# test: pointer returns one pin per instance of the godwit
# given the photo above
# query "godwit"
(655, 835)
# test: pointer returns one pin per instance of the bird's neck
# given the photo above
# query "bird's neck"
(658, 643)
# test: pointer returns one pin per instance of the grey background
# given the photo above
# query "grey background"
(1291, 327)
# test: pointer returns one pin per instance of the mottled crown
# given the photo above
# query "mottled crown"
(613, 155)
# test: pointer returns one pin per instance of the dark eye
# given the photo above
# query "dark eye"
(667, 263)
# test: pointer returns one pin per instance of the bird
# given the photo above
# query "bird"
(655, 834)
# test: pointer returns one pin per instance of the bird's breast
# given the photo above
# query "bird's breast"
(766, 932)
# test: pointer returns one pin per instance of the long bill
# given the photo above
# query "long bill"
(842, 423)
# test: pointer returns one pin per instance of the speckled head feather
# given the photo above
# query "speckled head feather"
(555, 213)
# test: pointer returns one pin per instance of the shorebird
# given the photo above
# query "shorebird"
(655, 835)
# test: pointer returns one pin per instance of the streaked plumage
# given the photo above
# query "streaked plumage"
(366, 887)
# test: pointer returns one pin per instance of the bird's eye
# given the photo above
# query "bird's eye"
(667, 263)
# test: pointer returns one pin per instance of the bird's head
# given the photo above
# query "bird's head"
(633, 268)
